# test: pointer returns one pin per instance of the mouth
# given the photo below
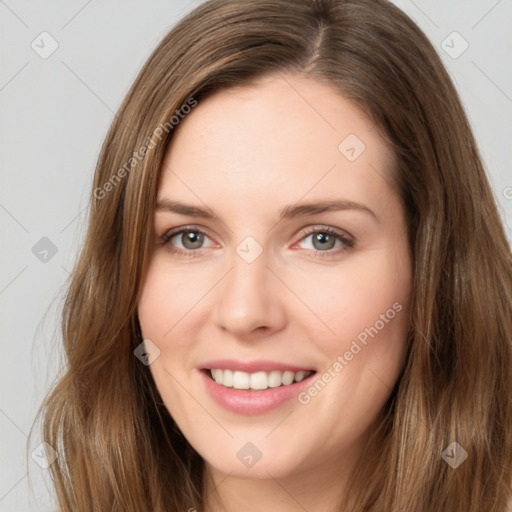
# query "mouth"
(265, 386)
(256, 381)
(254, 387)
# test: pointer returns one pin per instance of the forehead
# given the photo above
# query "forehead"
(284, 134)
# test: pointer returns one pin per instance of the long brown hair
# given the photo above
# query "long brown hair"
(119, 449)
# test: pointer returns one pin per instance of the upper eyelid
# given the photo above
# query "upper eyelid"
(170, 233)
(304, 232)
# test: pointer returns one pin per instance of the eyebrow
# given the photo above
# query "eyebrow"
(288, 212)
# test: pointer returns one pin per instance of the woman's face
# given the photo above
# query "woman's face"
(295, 260)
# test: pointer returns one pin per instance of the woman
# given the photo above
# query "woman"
(295, 292)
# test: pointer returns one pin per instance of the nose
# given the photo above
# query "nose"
(250, 298)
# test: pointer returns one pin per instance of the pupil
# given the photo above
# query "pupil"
(322, 238)
(195, 239)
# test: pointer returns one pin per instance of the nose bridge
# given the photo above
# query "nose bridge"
(247, 298)
(247, 285)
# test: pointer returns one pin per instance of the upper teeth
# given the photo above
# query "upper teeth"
(258, 380)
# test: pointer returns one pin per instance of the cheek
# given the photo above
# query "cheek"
(168, 295)
(162, 315)
(374, 327)
(153, 308)
(366, 308)
(369, 292)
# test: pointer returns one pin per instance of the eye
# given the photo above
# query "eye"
(324, 239)
(191, 238)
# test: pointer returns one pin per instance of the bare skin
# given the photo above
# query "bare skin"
(245, 154)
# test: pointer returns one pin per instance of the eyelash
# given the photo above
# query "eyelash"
(348, 243)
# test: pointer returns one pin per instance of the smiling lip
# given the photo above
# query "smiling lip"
(251, 402)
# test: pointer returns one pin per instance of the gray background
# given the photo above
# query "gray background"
(55, 114)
